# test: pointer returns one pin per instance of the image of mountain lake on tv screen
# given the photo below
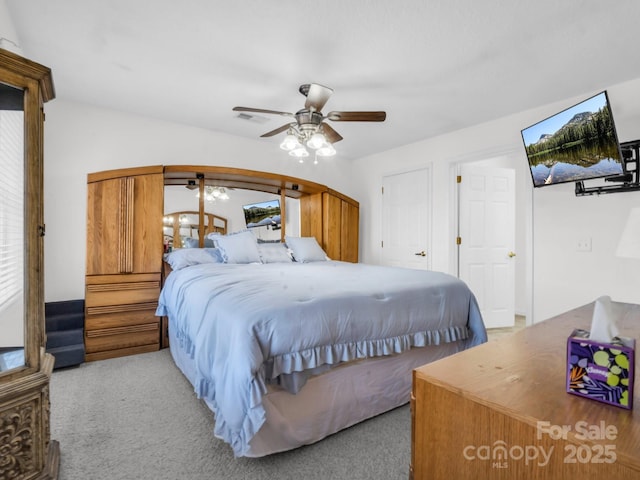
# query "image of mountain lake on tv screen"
(577, 144)
(263, 214)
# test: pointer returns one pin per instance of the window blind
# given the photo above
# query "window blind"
(11, 205)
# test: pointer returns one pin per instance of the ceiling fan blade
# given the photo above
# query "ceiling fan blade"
(331, 135)
(277, 130)
(357, 116)
(260, 110)
(317, 96)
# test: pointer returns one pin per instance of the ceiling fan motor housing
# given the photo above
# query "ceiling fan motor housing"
(308, 117)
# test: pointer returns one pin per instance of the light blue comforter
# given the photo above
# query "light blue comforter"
(246, 325)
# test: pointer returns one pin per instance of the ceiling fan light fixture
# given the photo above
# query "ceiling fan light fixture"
(317, 141)
(290, 142)
(299, 152)
(213, 193)
(326, 151)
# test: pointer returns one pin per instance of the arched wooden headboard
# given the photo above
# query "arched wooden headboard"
(329, 216)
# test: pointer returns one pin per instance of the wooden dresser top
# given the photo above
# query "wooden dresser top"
(524, 376)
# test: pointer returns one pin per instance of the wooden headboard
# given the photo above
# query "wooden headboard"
(329, 216)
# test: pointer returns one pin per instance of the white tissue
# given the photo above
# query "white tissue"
(604, 323)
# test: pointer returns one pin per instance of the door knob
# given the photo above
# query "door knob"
(421, 254)
(511, 254)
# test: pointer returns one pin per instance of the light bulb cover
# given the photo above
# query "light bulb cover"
(316, 141)
(326, 151)
(290, 142)
(299, 152)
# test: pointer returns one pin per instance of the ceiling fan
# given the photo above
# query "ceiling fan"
(309, 127)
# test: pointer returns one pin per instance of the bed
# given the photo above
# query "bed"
(287, 352)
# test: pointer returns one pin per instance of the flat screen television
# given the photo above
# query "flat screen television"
(576, 144)
(263, 214)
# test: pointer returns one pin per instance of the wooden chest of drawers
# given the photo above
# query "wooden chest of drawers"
(120, 315)
(500, 411)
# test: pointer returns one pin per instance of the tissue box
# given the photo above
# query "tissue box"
(601, 371)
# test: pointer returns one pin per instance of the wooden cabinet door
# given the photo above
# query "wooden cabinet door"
(334, 222)
(124, 225)
(311, 216)
(350, 221)
(147, 223)
(104, 226)
(331, 226)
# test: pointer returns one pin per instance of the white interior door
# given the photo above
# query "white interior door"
(487, 238)
(406, 222)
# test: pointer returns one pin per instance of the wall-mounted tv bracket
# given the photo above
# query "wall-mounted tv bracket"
(630, 176)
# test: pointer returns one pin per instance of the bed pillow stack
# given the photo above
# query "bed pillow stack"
(242, 247)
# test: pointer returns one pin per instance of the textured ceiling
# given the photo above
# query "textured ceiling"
(434, 66)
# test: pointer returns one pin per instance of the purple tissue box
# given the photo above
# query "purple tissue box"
(601, 371)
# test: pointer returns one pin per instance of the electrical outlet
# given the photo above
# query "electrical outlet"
(584, 245)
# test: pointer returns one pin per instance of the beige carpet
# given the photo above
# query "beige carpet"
(137, 418)
(495, 333)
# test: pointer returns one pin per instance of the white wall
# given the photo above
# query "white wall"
(81, 139)
(562, 278)
(565, 277)
(8, 36)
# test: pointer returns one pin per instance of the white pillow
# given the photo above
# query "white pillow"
(305, 249)
(185, 257)
(274, 253)
(238, 247)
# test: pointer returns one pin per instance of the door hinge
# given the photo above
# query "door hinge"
(459, 179)
(458, 241)
(382, 244)
(382, 188)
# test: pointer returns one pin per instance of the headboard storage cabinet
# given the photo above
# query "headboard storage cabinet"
(125, 242)
(124, 261)
(332, 219)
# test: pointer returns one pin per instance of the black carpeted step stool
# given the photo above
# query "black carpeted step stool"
(65, 332)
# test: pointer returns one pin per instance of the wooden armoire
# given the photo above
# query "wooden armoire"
(124, 261)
